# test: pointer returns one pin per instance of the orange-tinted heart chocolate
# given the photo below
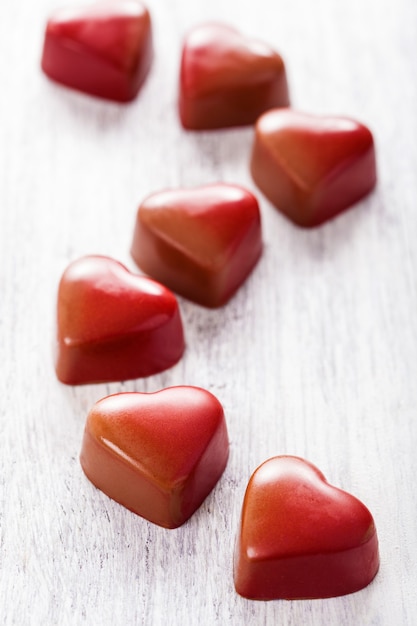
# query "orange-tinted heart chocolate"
(300, 537)
(311, 167)
(227, 79)
(114, 325)
(202, 243)
(104, 49)
(158, 454)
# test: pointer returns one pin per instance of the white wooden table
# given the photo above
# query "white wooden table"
(315, 356)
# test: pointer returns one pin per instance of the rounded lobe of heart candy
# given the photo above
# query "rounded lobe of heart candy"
(312, 167)
(227, 79)
(301, 537)
(158, 454)
(114, 325)
(202, 242)
(104, 49)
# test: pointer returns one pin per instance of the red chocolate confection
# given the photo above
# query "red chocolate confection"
(300, 537)
(227, 79)
(310, 167)
(114, 325)
(104, 49)
(158, 454)
(202, 242)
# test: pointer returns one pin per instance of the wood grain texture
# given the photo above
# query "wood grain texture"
(316, 355)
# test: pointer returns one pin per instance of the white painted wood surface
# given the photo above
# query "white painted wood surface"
(315, 356)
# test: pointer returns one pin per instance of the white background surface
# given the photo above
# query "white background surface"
(315, 356)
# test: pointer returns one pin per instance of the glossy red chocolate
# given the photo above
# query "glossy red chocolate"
(114, 325)
(312, 168)
(104, 50)
(300, 537)
(158, 454)
(202, 243)
(227, 79)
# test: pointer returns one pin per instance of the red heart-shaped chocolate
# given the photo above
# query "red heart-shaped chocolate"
(114, 325)
(227, 79)
(312, 167)
(301, 537)
(104, 50)
(158, 454)
(202, 242)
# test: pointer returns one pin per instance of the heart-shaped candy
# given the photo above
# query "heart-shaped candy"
(202, 243)
(301, 537)
(311, 167)
(227, 79)
(114, 325)
(104, 50)
(158, 454)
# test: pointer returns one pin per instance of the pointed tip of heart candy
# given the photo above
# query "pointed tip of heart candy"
(227, 79)
(300, 537)
(104, 49)
(312, 167)
(114, 325)
(157, 454)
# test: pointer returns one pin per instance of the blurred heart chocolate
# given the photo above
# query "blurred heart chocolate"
(227, 79)
(104, 50)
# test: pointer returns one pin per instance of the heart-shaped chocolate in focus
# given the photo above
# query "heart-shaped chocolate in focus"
(114, 325)
(202, 243)
(312, 167)
(227, 79)
(158, 454)
(300, 537)
(104, 50)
